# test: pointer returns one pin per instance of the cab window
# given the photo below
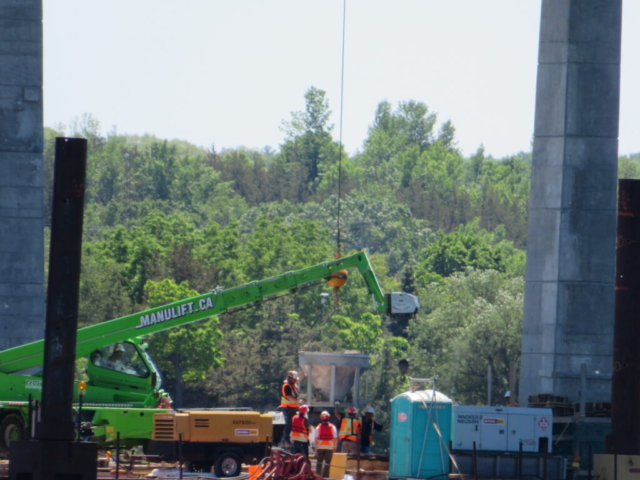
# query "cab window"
(120, 357)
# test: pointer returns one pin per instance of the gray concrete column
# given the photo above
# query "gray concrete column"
(569, 293)
(21, 175)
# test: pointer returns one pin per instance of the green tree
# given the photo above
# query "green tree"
(257, 358)
(246, 172)
(433, 187)
(377, 222)
(469, 246)
(446, 135)
(474, 320)
(309, 143)
(278, 246)
(364, 335)
(629, 166)
(159, 166)
(103, 292)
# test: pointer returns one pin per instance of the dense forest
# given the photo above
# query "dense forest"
(166, 220)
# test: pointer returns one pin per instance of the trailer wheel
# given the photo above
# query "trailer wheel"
(228, 465)
(11, 429)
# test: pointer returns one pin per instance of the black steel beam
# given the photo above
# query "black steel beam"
(625, 397)
(63, 290)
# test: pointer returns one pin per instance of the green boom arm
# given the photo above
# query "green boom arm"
(193, 309)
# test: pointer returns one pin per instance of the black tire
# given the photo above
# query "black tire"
(228, 465)
(11, 428)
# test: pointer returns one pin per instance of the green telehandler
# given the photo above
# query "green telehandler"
(124, 389)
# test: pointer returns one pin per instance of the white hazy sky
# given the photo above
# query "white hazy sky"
(228, 72)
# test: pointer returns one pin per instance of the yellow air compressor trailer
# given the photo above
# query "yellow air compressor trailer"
(212, 438)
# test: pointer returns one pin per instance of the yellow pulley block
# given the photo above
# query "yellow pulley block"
(338, 279)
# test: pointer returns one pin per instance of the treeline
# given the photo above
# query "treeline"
(165, 220)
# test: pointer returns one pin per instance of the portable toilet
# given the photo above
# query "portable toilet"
(420, 435)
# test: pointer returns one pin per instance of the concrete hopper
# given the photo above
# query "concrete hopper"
(330, 376)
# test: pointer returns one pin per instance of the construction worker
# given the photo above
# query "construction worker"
(507, 400)
(349, 428)
(116, 359)
(165, 401)
(289, 404)
(300, 431)
(326, 440)
(367, 427)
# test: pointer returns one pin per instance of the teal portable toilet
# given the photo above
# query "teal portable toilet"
(420, 435)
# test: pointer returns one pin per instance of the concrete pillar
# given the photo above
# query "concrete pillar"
(569, 293)
(21, 173)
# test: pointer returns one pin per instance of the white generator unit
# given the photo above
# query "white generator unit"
(502, 429)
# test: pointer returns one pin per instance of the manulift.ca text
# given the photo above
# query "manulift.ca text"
(174, 312)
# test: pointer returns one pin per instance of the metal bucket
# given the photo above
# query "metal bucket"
(330, 376)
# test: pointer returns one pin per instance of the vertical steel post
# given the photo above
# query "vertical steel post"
(309, 385)
(63, 290)
(583, 389)
(117, 455)
(520, 461)
(29, 428)
(332, 394)
(356, 389)
(180, 460)
(513, 394)
(489, 384)
(475, 462)
(79, 418)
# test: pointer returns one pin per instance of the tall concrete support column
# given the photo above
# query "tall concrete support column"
(21, 173)
(569, 293)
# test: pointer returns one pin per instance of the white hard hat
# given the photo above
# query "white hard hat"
(293, 374)
(508, 394)
(369, 410)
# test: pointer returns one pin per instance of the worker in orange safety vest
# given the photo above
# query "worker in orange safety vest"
(326, 440)
(289, 404)
(300, 431)
(349, 430)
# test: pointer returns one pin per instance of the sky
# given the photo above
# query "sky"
(228, 73)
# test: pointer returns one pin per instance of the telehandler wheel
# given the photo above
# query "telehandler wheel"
(228, 465)
(11, 429)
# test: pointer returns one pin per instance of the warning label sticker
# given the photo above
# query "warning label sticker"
(246, 432)
(543, 423)
(493, 421)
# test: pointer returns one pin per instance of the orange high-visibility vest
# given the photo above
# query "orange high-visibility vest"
(299, 431)
(284, 401)
(325, 437)
(349, 429)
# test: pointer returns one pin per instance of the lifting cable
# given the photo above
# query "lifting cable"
(344, 16)
(336, 289)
